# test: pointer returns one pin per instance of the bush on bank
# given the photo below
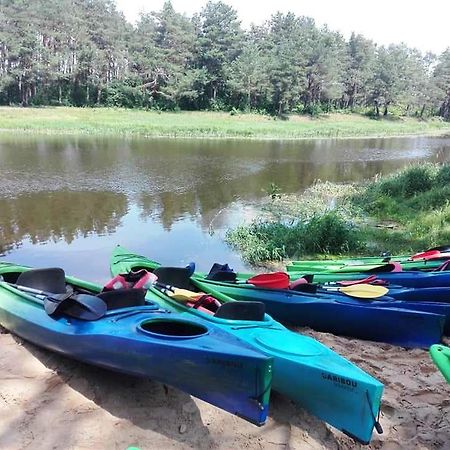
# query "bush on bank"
(403, 212)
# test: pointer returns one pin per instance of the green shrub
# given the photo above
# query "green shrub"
(416, 180)
(443, 176)
(328, 233)
(265, 241)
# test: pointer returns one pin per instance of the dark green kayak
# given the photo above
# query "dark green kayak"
(425, 260)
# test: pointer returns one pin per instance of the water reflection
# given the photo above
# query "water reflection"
(68, 192)
(61, 215)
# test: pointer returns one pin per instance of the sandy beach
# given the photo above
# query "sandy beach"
(51, 402)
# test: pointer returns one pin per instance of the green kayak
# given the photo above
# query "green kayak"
(318, 379)
(441, 357)
(428, 260)
(442, 252)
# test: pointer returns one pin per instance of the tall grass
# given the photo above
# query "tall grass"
(269, 241)
(417, 199)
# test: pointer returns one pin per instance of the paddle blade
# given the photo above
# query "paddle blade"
(425, 255)
(82, 306)
(183, 295)
(364, 291)
(275, 280)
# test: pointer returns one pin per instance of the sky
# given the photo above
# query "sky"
(421, 24)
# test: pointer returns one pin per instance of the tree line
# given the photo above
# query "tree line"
(85, 53)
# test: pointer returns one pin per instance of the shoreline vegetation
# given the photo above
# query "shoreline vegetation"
(405, 212)
(217, 125)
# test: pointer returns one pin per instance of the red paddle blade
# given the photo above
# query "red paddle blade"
(426, 255)
(275, 280)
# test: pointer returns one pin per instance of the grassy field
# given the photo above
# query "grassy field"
(106, 121)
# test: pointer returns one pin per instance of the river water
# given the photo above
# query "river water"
(67, 201)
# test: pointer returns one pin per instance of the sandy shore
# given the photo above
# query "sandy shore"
(50, 402)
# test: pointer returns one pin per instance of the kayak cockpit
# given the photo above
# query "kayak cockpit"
(176, 283)
(60, 296)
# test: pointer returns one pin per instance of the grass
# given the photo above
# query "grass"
(111, 121)
(402, 213)
(416, 200)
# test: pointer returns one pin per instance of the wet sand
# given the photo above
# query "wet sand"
(51, 402)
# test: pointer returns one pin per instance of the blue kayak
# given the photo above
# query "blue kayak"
(410, 278)
(407, 324)
(135, 336)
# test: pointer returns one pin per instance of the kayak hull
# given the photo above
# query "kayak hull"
(306, 371)
(340, 314)
(440, 355)
(339, 267)
(206, 362)
(411, 279)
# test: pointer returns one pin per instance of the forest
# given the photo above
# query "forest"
(85, 53)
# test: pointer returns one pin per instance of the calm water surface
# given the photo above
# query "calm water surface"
(67, 201)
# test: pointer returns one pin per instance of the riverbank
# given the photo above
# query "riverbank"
(49, 401)
(111, 121)
(402, 213)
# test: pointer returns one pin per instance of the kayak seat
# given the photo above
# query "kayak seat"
(174, 276)
(49, 280)
(123, 298)
(221, 272)
(242, 311)
(309, 288)
(222, 275)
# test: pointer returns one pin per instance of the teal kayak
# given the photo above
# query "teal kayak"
(122, 331)
(318, 379)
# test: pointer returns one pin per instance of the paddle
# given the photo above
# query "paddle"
(274, 280)
(367, 280)
(444, 266)
(179, 294)
(426, 255)
(360, 290)
(81, 306)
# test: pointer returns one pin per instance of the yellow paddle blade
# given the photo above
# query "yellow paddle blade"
(183, 295)
(364, 290)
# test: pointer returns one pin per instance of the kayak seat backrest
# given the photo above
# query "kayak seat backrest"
(221, 272)
(309, 288)
(222, 276)
(174, 276)
(123, 298)
(242, 311)
(50, 280)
